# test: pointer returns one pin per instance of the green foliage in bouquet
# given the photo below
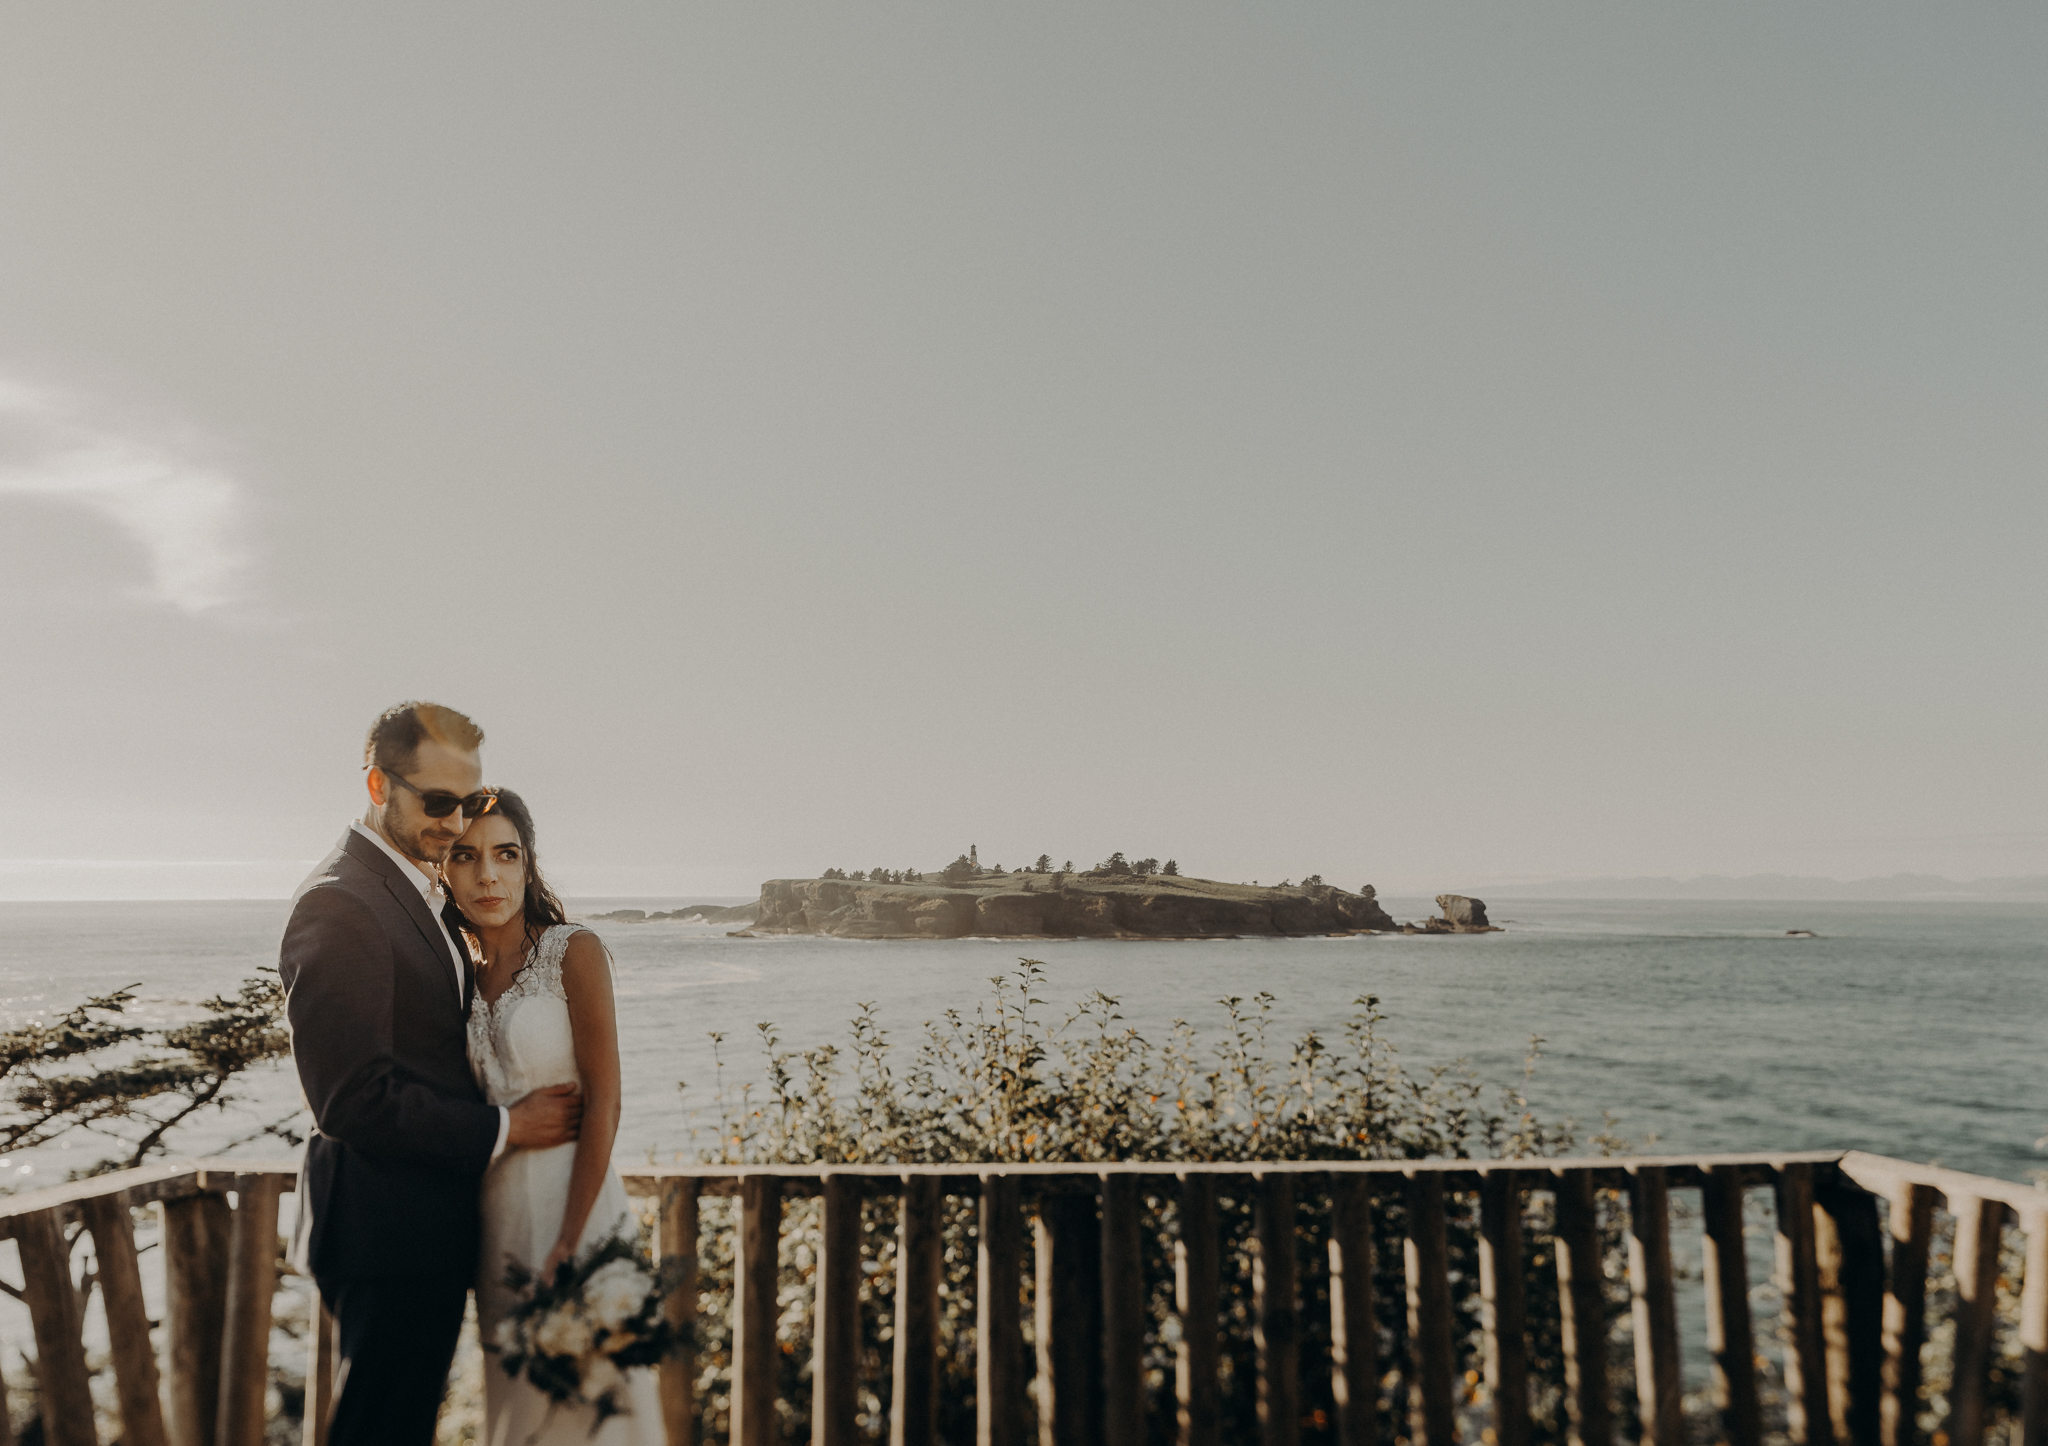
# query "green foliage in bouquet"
(573, 1336)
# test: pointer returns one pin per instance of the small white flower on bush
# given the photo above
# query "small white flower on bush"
(564, 1333)
(599, 1377)
(615, 1292)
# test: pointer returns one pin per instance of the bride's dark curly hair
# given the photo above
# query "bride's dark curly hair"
(542, 908)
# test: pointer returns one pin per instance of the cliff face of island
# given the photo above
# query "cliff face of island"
(1061, 906)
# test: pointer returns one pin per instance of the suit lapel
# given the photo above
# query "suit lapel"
(430, 930)
(409, 899)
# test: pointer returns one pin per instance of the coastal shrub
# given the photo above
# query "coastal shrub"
(123, 1091)
(1008, 1083)
(94, 1071)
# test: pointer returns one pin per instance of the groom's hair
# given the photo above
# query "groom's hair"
(395, 737)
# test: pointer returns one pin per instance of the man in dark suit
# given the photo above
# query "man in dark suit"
(378, 995)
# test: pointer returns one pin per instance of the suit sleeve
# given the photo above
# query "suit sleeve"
(337, 969)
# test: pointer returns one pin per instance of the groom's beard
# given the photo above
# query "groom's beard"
(429, 842)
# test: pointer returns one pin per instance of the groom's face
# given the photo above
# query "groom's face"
(436, 767)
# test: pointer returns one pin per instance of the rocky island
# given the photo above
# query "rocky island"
(1114, 900)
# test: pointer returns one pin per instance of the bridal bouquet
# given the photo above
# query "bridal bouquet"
(573, 1336)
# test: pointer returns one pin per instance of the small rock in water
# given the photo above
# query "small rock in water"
(1461, 912)
(1801, 934)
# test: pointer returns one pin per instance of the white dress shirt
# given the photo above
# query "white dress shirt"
(431, 895)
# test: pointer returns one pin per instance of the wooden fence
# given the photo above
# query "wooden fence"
(220, 1256)
(1854, 1237)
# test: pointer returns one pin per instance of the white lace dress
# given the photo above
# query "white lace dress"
(519, 1044)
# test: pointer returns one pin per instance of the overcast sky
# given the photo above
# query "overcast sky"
(1419, 445)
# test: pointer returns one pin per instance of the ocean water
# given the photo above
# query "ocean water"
(1914, 1030)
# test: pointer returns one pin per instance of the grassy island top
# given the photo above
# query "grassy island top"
(1117, 898)
(968, 872)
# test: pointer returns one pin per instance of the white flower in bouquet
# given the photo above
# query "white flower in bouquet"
(615, 1293)
(600, 1377)
(577, 1334)
(564, 1333)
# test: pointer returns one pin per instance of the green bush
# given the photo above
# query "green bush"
(1007, 1084)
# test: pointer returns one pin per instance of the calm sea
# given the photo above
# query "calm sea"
(1913, 1029)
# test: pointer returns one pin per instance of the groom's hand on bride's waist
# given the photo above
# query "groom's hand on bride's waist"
(546, 1118)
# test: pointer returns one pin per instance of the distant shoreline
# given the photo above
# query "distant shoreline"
(1784, 888)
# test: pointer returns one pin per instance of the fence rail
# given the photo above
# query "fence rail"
(1855, 1236)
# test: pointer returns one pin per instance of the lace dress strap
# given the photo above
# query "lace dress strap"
(543, 972)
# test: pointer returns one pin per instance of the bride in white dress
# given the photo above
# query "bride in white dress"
(543, 1015)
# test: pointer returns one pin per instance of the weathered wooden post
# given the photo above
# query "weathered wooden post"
(1911, 1226)
(999, 1327)
(323, 1359)
(835, 1333)
(1654, 1308)
(1069, 1320)
(1503, 1308)
(753, 1311)
(1196, 1254)
(1582, 1311)
(1978, 1226)
(1849, 1254)
(54, 1312)
(1275, 1314)
(914, 1410)
(197, 1229)
(136, 1383)
(1123, 1312)
(2034, 1333)
(1354, 1325)
(1731, 1339)
(245, 1337)
(1807, 1419)
(677, 1376)
(1433, 1363)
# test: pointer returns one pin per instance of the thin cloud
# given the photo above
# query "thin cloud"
(187, 515)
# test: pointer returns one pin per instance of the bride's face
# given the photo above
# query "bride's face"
(486, 872)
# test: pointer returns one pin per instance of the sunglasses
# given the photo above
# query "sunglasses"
(439, 803)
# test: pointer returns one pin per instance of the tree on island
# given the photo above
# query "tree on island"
(1116, 866)
(961, 868)
(1044, 864)
(1145, 868)
(1067, 867)
(833, 874)
(1171, 869)
(1313, 881)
